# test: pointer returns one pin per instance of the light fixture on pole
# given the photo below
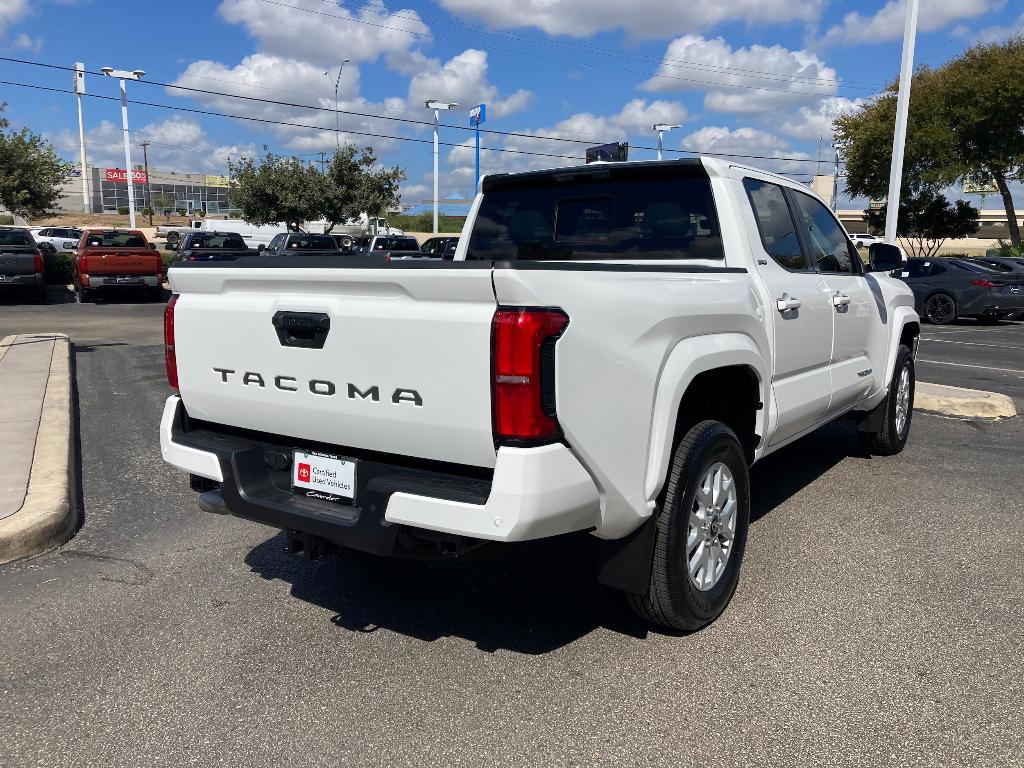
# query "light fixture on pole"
(661, 128)
(437, 106)
(337, 82)
(79, 89)
(899, 137)
(123, 75)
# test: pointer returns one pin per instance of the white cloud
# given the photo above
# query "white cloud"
(742, 80)
(326, 33)
(11, 11)
(177, 144)
(26, 42)
(642, 19)
(996, 34)
(463, 79)
(772, 152)
(887, 23)
(815, 122)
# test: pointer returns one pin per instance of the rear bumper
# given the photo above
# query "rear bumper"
(533, 492)
(111, 281)
(22, 281)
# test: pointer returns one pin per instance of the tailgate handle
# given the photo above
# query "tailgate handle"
(302, 329)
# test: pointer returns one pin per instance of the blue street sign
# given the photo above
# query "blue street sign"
(478, 114)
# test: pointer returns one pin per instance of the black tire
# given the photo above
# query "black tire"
(940, 308)
(346, 242)
(671, 598)
(85, 296)
(39, 294)
(890, 439)
(155, 293)
(173, 238)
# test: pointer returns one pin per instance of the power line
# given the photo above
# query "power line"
(406, 120)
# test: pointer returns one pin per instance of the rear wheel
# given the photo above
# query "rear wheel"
(173, 238)
(940, 309)
(701, 531)
(85, 295)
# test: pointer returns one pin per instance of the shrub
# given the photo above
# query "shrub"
(168, 256)
(182, 212)
(1009, 250)
(57, 268)
(6, 218)
(122, 211)
(147, 211)
(202, 214)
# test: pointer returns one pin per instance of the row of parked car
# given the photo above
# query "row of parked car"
(989, 289)
(117, 258)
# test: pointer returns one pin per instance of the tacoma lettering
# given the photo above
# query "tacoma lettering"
(321, 387)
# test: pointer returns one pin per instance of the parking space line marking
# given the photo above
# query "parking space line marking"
(982, 367)
(979, 329)
(969, 343)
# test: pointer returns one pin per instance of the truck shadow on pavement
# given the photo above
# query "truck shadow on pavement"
(530, 598)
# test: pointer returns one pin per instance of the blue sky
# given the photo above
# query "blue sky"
(747, 77)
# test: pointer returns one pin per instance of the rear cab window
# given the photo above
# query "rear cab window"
(661, 211)
(14, 237)
(115, 240)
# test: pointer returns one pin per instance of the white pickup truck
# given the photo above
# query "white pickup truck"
(611, 349)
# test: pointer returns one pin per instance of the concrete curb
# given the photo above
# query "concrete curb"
(963, 403)
(47, 518)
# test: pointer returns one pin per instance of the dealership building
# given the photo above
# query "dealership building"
(108, 191)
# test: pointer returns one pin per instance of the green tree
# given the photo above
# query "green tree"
(355, 184)
(163, 203)
(964, 124)
(983, 100)
(927, 219)
(276, 189)
(31, 172)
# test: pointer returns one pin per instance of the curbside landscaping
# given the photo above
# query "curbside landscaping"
(961, 402)
(46, 517)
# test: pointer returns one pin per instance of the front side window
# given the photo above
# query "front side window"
(775, 224)
(830, 248)
(275, 244)
(601, 213)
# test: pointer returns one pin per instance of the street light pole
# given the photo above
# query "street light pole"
(79, 83)
(899, 137)
(149, 194)
(123, 75)
(662, 128)
(437, 106)
(337, 82)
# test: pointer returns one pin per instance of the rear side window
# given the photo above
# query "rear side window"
(625, 213)
(775, 224)
(311, 243)
(218, 241)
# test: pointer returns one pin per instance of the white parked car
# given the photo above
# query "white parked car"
(610, 350)
(865, 240)
(57, 238)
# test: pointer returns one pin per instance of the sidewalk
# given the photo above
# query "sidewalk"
(35, 444)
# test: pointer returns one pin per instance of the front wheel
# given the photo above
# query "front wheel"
(701, 531)
(940, 309)
(897, 409)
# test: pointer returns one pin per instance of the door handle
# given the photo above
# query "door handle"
(785, 304)
(840, 300)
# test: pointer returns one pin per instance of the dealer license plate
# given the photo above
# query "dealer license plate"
(124, 280)
(320, 476)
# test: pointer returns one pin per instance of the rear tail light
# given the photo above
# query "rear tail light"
(37, 261)
(83, 263)
(170, 358)
(522, 358)
(983, 283)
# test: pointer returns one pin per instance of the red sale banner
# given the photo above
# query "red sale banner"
(119, 174)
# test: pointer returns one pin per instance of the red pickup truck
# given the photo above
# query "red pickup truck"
(117, 258)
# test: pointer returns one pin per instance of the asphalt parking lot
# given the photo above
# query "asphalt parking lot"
(878, 620)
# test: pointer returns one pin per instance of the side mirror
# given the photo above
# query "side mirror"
(885, 257)
(152, 246)
(260, 248)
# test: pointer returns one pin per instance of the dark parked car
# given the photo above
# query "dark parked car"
(21, 262)
(441, 247)
(292, 242)
(380, 243)
(950, 288)
(210, 246)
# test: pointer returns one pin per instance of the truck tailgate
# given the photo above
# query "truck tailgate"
(404, 367)
(141, 262)
(15, 260)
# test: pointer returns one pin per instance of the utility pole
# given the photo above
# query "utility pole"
(323, 163)
(79, 82)
(437, 106)
(122, 75)
(835, 179)
(899, 138)
(149, 194)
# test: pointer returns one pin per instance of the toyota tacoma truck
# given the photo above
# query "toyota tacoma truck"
(610, 350)
(21, 263)
(115, 259)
